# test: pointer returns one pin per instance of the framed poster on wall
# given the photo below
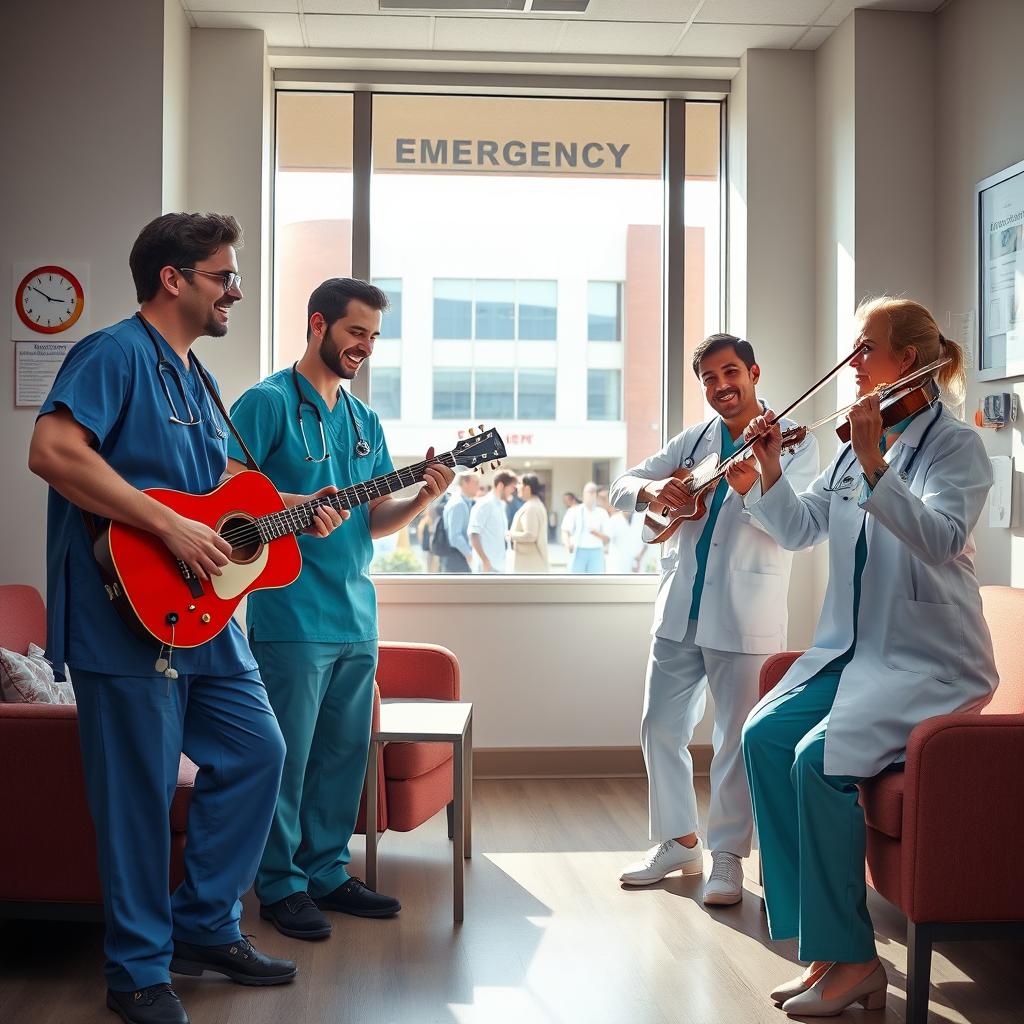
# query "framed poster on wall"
(1000, 206)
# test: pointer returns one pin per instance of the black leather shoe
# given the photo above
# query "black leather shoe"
(240, 961)
(354, 898)
(297, 916)
(154, 1005)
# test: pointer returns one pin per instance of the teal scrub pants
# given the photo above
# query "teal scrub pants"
(810, 826)
(322, 695)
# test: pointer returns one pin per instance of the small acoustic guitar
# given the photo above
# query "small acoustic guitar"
(159, 597)
(661, 522)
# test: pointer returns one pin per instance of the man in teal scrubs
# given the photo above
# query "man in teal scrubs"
(316, 640)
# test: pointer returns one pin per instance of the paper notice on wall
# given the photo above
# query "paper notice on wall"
(36, 365)
(1000, 497)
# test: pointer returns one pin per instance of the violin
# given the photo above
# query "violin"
(909, 395)
(661, 521)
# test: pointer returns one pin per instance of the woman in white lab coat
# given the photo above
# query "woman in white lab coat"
(901, 638)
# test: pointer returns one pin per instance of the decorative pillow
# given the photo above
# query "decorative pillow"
(28, 679)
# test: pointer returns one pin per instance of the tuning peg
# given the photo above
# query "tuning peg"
(472, 431)
(481, 428)
(495, 465)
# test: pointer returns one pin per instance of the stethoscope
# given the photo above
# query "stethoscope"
(362, 447)
(848, 481)
(163, 367)
(705, 435)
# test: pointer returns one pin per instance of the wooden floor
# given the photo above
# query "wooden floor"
(550, 937)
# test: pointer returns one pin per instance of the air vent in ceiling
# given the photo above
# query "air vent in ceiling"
(476, 6)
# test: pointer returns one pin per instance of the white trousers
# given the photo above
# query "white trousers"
(678, 675)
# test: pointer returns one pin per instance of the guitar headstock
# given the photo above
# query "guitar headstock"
(472, 452)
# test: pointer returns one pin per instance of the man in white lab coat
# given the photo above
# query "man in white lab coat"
(721, 609)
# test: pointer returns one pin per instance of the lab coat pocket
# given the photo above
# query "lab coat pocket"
(925, 638)
(756, 597)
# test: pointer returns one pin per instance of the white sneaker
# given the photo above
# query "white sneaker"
(663, 858)
(725, 886)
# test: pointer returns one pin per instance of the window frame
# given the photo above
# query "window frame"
(675, 94)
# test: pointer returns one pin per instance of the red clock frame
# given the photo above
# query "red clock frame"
(56, 328)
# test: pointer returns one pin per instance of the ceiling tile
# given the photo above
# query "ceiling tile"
(650, 10)
(363, 32)
(280, 29)
(734, 40)
(916, 6)
(762, 12)
(837, 12)
(340, 6)
(644, 38)
(514, 34)
(814, 37)
(245, 6)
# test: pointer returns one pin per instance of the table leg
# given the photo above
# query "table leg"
(371, 817)
(459, 846)
(468, 741)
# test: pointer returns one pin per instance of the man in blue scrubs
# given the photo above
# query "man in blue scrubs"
(128, 411)
(316, 640)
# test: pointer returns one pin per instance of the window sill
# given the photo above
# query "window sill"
(464, 589)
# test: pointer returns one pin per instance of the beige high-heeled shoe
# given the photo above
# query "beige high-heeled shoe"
(798, 985)
(870, 993)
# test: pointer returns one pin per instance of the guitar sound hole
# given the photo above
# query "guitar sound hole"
(240, 526)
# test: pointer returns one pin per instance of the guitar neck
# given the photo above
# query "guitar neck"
(300, 517)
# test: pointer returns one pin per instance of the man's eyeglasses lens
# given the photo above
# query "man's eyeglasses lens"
(229, 279)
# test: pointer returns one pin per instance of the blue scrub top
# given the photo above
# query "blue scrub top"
(333, 600)
(704, 543)
(110, 385)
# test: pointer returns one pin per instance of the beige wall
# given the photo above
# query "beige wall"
(176, 65)
(79, 191)
(979, 131)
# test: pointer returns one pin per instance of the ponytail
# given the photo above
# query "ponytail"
(953, 376)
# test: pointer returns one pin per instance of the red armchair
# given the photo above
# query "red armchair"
(941, 834)
(415, 778)
(48, 857)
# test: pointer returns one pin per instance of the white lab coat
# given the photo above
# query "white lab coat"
(923, 648)
(743, 605)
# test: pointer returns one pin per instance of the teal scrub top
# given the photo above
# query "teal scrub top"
(333, 600)
(109, 382)
(704, 543)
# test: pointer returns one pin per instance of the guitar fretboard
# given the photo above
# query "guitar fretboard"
(300, 517)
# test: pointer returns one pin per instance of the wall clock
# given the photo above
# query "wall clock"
(49, 299)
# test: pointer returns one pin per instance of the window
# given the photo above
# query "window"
(496, 310)
(452, 394)
(507, 232)
(391, 323)
(536, 394)
(490, 310)
(453, 309)
(495, 395)
(537, 304)
(604, 311)
(604, 394)
(386, 392)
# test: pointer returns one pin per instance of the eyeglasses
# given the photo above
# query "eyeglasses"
(228, 278)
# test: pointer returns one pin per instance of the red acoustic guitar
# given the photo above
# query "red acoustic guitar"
(159, 597)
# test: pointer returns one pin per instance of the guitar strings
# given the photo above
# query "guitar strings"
(293, 520)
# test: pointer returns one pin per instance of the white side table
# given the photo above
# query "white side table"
(427, 721)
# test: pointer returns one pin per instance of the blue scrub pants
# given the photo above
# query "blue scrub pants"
(587, 560)
(323, 697)
(133, 731)
(810, 826)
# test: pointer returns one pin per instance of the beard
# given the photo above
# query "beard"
(213, 328)
(332, 357)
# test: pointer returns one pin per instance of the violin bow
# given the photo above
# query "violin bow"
(809, 393)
